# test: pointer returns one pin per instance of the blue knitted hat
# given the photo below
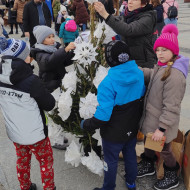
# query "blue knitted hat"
(13, 47)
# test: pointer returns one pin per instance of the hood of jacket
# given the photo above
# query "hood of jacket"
(182, 64)
(13, 70)
(125, 73)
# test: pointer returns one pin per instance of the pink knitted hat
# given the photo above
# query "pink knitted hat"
(168, 39)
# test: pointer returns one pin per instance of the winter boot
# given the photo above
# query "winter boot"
(33, 186)
(146, 166)
(170, 179)
(131, 187)
(11, 32)
(97, 188)
(23, 35)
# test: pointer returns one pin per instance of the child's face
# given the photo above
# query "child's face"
(50, 40)
(163, 54)
(63, 12)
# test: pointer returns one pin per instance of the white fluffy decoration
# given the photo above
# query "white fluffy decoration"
(55, 133)
(73, 155)
(65, 104)
(97, 136)
(85, 53)
(93, 163)
(88, 106)
(56, 94)
(108, 32)
(70, 80)
(100, 75)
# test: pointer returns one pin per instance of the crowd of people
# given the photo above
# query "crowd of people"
(142, 91)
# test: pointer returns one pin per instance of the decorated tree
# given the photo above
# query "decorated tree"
(78, 99)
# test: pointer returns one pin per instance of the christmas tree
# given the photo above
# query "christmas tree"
(78, 99)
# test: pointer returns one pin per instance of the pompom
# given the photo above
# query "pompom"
(170, 28)
(3, 43)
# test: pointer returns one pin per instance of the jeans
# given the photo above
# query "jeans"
(4, 32)
(170, 21)
(111, 156)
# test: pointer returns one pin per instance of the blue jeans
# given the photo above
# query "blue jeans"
(111, 156)
(4, 32)
(170, 21)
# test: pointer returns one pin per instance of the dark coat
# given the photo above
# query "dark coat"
(12, 15)
(137, 34)
(108, 4)
(31, 18)
(81, 14)
(52, 66)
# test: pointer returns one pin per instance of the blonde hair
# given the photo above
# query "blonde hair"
(168, 68)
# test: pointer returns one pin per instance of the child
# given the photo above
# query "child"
(118, 113)
(60, 18)
(51, 61)
(68, 36)
(167, 82)
(23, 99)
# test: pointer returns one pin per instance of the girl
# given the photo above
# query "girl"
(62, 14)
(67, 36)
(166, 88)
(136, 29)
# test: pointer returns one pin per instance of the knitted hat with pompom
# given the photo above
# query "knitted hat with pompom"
(13, 47)
(168, 39)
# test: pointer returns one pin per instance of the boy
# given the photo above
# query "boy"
(118, 113)
(23, 99)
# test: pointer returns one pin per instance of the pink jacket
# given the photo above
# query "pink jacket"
(166, 6)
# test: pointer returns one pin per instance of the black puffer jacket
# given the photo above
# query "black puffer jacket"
(52, 65)
(137, 32)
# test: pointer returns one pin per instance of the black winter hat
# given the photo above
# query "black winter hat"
(116, 53)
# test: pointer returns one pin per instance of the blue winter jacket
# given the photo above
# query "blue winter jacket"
(123, 84)
(66, 35)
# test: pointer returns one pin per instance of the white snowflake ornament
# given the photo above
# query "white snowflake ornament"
(70, 80)
(85, 53)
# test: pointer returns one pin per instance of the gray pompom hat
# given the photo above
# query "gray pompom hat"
(41, 32)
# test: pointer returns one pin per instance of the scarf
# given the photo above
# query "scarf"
(47, 48)
(162, 64)
(129, 15)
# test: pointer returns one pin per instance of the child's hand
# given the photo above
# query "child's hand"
(70, 46)
(157, 136)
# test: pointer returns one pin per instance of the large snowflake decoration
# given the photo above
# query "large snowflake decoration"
(85, 53)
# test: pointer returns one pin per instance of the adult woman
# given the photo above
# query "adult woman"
(12, 16)
(19, 6)
(136, 29)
